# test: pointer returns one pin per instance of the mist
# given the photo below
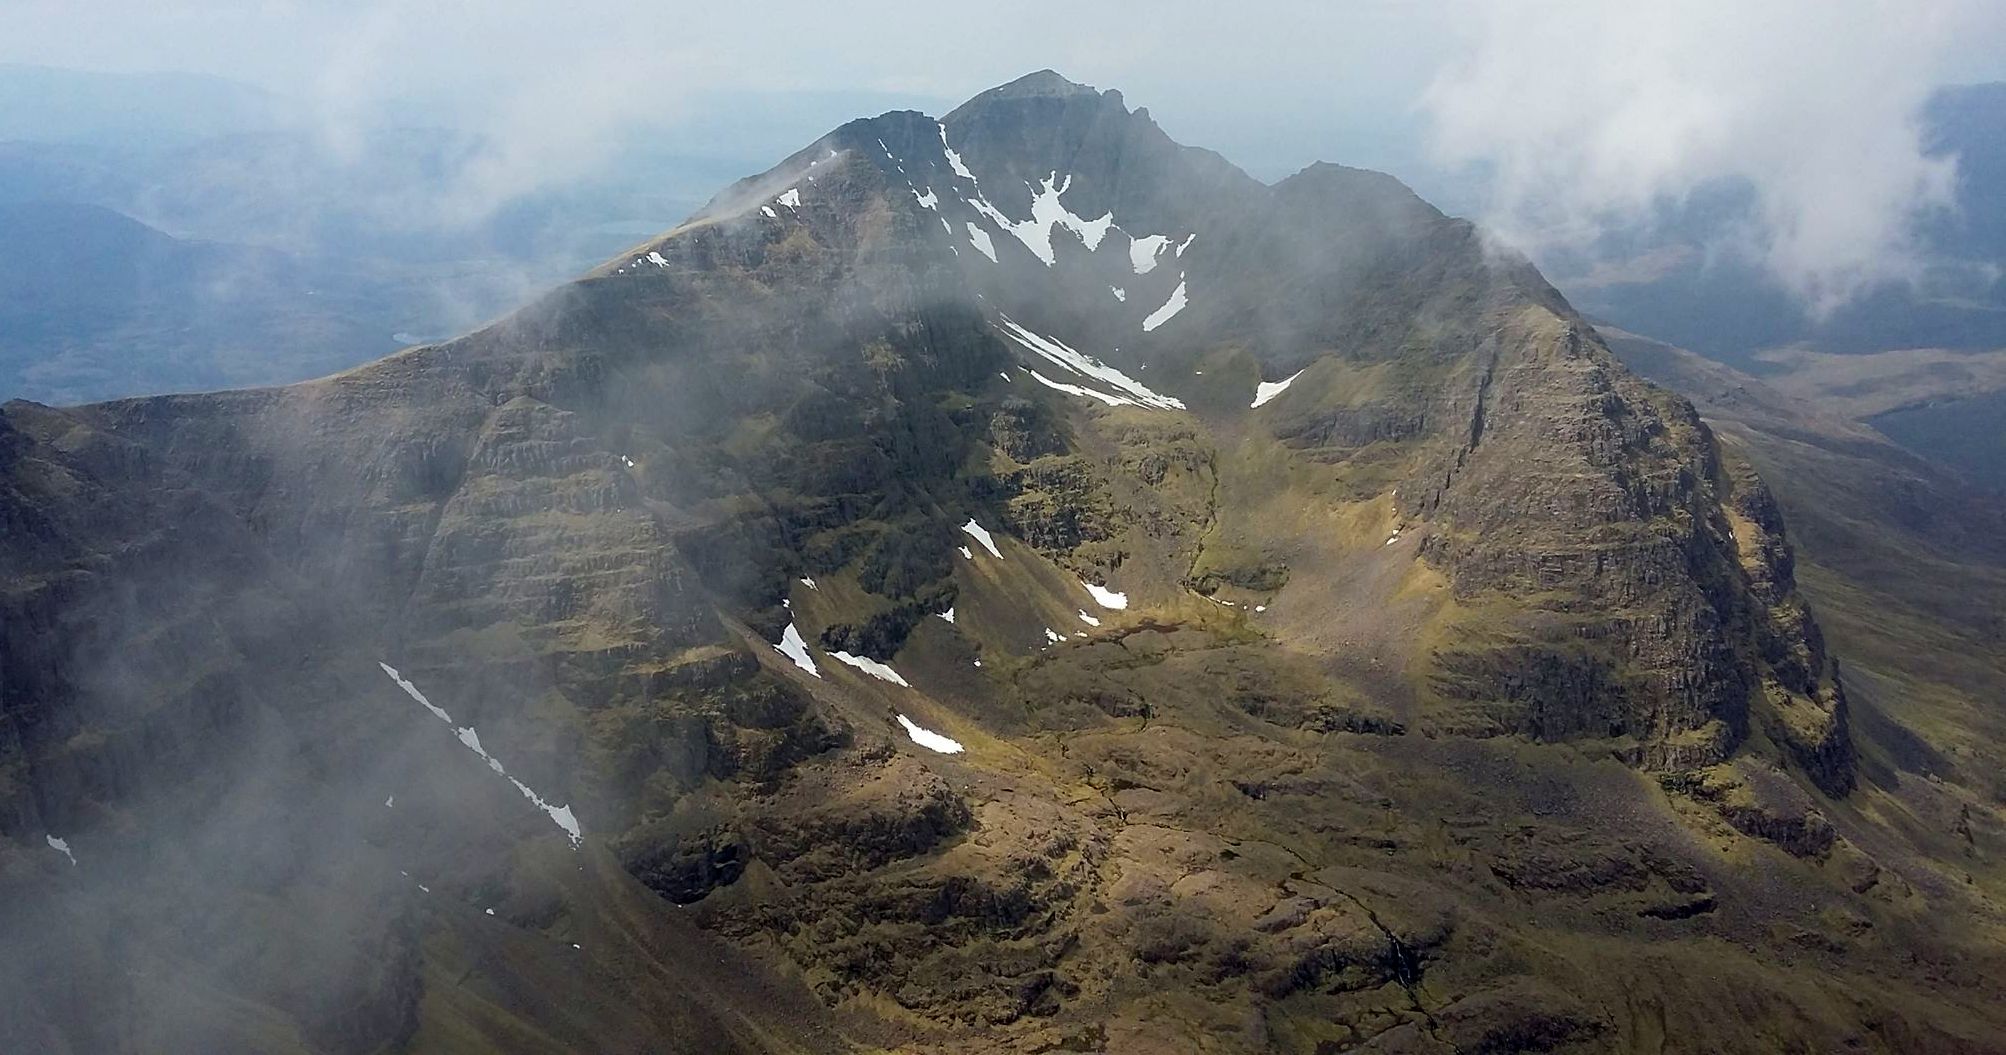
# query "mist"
(1592, 117)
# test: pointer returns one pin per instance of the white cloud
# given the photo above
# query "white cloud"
(1594, 114)
(545, 92)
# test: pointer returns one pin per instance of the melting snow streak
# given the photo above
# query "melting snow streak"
(1170, 308)
(561, 815)
(870, 666)
(796, 649)
(1127, 389)
(982, 535)
(929, 739)
(1075, 390)
(62, 846)
(979, 238)
(953, 159)
(1267, 390)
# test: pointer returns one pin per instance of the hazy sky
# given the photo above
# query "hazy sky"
(1589, 111)
(1287, 81)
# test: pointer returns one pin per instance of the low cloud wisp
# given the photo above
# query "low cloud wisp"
(1594, 116)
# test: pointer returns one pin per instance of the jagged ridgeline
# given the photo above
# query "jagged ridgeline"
(1007, 582)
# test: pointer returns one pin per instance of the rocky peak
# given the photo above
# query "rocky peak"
(1045, 83)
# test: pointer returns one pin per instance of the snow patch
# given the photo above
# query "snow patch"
(1169, 309)
(412, 691)
(927, 200)
(808, 582)
(794, 648)
(1142, 252)
(947, 615)
(966, 552)
(982, 535)
(1105, 597)
(979, 238)
(1076, 390)
(1053, 635)
(929, 739)
(953, 159)
(768, 210)
(791, 199)
(1267, 390)
(1088, 619)
(870, 666)
(560, 815)
(1120, 294)
(1060, 354)
(1047, 212)
(62, 846)
(655, 258)
(390, 802)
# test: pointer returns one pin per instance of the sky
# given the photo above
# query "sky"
(1583, 114)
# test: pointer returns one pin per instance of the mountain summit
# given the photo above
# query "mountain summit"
(1008, 582)
(1045, 83)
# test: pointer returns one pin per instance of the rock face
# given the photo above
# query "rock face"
(939, 433)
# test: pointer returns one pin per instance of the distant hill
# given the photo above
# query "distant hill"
(94, 302)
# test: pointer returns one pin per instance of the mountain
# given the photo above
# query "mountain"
(1902, 558)
(204, 234)
(264, 259)
(1008, 582)
(94, 301)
